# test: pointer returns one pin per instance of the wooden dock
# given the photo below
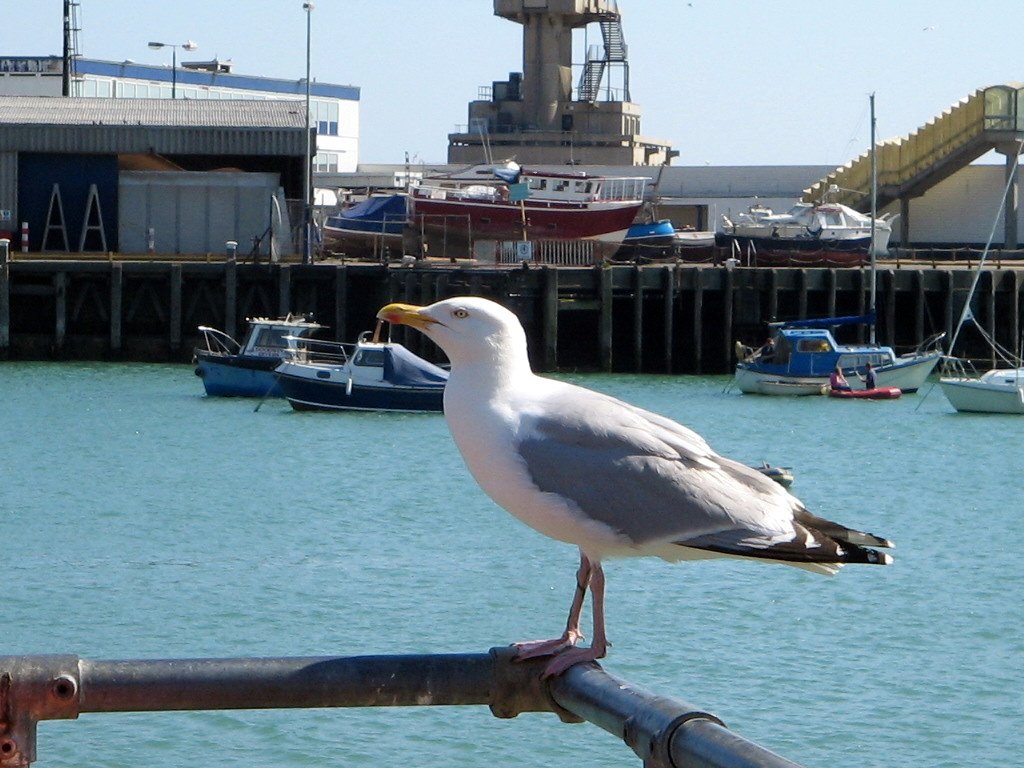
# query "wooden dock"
(676, 318)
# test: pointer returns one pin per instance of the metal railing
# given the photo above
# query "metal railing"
(660, 730)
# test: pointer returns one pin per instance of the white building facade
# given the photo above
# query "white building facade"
(334, 109)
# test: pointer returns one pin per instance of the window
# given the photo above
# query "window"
(326, 162)
(812, 345)
(272, 338)
(370, 358)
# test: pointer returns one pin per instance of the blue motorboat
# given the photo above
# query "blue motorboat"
(232, 369)
(800, 356)
(367, 376)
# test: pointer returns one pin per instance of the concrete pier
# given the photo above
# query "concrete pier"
(676, 318)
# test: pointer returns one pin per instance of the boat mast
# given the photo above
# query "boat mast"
(874, 212)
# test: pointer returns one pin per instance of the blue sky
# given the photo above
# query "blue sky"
(726, 82)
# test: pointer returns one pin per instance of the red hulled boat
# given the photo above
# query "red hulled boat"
(506, 202)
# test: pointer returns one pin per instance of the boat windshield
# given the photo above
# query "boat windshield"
(369, 358)
(271, 340)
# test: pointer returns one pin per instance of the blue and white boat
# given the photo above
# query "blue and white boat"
(801, 356)
(232, 369)
(367, 376)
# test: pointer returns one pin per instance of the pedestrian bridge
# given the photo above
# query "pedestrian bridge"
(907, 167)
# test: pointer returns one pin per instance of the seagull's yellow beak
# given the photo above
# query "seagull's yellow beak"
(405, 314)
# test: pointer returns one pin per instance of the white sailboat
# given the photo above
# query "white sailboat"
(999, 390)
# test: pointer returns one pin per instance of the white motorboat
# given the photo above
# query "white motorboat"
(369, 375)
(807, 233)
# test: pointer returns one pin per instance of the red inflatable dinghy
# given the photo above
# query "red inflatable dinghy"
(878, 393)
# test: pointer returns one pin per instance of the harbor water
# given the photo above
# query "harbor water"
(141, 519)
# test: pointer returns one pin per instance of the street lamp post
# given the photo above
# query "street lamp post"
(307, 212)
(188, 45)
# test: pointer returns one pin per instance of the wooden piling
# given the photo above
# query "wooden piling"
(605, 324)
(1015, 312)
(5, 298)
(773, 296)
(60, 294)
(990, 320)
(802, 279)
(668, 310)
(890, 307)
(230, 298)
(950, 297)
(284, 290)
(549, 318)
(727, 314)
(832, 281)
(698, 327)
(920, 302)
(638, 319)
(116, 303)
(174, 337)
(340, 303)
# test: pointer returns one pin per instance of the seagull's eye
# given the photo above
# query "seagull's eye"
(460, 313)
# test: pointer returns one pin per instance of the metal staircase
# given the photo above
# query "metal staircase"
(990, 118)
(599, 58)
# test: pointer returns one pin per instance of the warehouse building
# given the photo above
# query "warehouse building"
(334, 109)
(168, 176)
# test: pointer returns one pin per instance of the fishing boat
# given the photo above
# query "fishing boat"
(369, 375)
(232, 369)
(372, 228)
(801, 355)
(808, 233)
(998, 390)
(506, 202)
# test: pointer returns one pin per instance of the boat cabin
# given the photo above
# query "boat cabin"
(273, 338)
(815, 352)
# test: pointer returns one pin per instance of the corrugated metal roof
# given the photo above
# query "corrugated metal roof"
(177, 113)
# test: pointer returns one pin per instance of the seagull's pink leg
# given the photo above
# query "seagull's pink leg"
(599, 646)
(572, 635)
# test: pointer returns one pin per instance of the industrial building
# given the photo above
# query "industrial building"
(334, 109)
(169, 176)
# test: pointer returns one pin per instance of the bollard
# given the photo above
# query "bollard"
(231, 250)
(151, 240)
(24, 237)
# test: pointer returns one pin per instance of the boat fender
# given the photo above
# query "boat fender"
(348, 386)
(199, 372)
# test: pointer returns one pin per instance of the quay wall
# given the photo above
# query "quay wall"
(677, 318)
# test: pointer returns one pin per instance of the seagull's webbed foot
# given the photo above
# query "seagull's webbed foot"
(573, 656)
(533, 649)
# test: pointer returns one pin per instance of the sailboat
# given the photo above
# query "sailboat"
(999, 390)
(801, 355)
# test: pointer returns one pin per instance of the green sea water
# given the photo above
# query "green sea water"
(141, 519)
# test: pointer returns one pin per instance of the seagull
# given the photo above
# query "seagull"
(610, 478)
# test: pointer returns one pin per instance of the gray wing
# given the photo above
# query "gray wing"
(648, 477)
